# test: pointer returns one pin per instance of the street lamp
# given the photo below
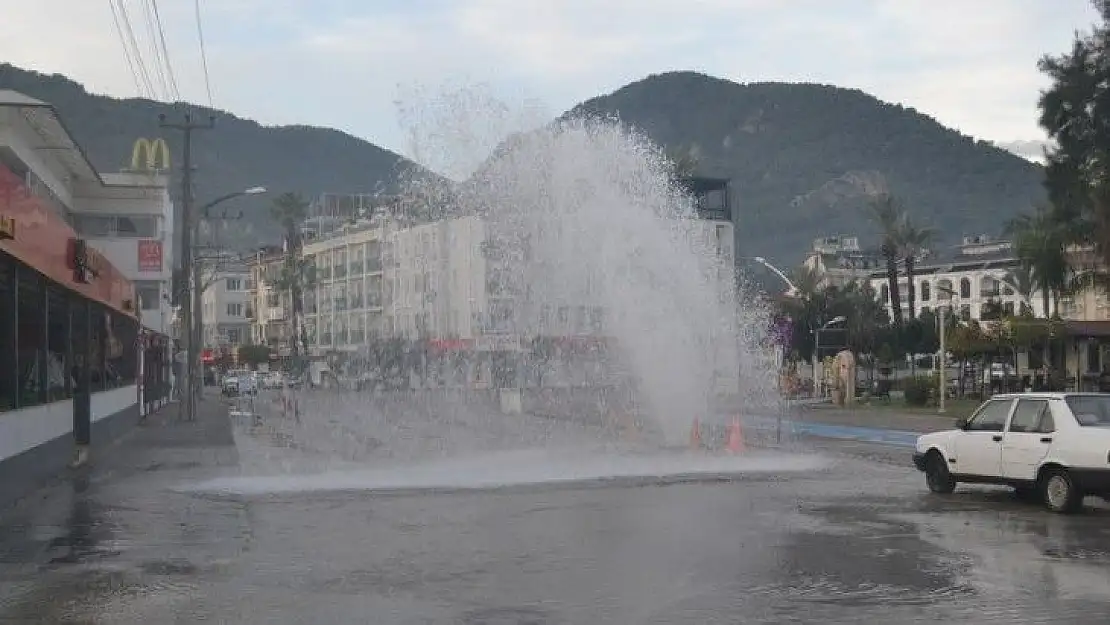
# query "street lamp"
(942, 357)
(196, 332)
(817, 346)
(792, 290)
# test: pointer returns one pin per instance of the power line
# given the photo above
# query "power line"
(126, 49)
(165, 50)
(135, 47)
(203, 54)
(152, 41)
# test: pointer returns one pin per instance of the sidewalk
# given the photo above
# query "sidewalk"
(120, 515)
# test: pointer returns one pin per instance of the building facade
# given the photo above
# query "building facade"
(839, 260)
(979, 272)
(227, 303)
(271, 318)
(71, 338)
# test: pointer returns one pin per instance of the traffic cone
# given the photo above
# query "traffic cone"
(735, 442)
(695, 435)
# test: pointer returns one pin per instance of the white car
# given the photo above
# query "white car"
(1052, 445)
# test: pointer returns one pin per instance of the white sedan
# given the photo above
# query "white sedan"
(1055, 446)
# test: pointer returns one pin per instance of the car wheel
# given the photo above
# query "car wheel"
(1060, 492)
(937, 475)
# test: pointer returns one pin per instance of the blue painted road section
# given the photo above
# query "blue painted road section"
(882, 436)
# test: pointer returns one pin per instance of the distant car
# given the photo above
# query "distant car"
(273, 380)
(229, 387)
(1054, 446)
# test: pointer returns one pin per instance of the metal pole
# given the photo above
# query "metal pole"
(189, 305)
(942, 364)
(816, 356)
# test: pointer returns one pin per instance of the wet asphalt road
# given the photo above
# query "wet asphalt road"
(859, 540)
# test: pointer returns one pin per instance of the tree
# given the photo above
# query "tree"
(1040, 242)
(1021, 279)
(1074, 112)
(290, 211)
(914, 240)
(887, 213)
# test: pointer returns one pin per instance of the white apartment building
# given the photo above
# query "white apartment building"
(132, 224)
(270, 314)
(227, 303)
(977, 273)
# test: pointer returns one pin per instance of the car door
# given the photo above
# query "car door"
(979, 445)
(1027, 439)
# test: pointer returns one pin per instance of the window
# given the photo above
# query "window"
(1090, 410)
(31, 339)
(8, 334)
(965, 288)
(59, 351)
(235, 310)
(150, 294)
(991, 416)
(121, 359)
(1029, 415)
(131, 226)
(233, 336)
(233, 284)
(926, 291)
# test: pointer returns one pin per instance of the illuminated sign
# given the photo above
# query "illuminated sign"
(7, 228)
(152, 150)
(150, 255)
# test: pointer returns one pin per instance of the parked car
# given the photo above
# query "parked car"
(229, 386)
(1052, 446)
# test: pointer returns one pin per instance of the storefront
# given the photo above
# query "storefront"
(69, 342)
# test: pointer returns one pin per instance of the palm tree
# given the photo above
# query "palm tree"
(1040, 242)
(1021, 279)
(290, 211)
(914, 240)
(887, 213)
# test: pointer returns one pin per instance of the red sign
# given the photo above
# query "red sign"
(47, 243)
(150, 256)
(207, 356)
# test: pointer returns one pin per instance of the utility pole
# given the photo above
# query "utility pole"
(191, 305)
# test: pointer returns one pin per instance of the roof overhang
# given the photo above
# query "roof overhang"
(57, 139)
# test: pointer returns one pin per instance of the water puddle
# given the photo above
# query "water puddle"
(522, 468)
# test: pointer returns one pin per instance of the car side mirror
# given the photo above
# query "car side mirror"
(961, 423)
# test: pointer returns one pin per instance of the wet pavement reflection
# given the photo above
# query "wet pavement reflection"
(856, 540)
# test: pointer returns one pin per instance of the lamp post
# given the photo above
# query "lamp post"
(792, 289)
(942, 357)
(196, 332)
(817, 346)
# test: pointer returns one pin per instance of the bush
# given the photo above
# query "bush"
(919, 390)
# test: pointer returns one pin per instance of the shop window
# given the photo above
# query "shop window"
(59, 353)
(121, 357)
(31, 341)
(8, 333)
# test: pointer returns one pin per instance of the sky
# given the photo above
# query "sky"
(368, 66)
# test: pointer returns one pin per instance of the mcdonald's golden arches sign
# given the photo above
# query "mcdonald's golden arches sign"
(151, 149)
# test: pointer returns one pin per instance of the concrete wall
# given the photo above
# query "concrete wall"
(36, 444)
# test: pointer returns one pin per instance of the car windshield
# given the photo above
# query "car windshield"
(1090, 410)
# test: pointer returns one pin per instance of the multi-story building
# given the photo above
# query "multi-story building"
(343, 306)
(227, 302)
(839, 260)
(76, 366)
(132, 224)
(272, 320)
(978, 272)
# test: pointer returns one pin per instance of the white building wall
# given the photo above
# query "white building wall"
(19, 137)
(129, 197)
(968, 302)
(224, 307)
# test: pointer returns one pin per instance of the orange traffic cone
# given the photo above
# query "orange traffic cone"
(695, 435)
(735, 442)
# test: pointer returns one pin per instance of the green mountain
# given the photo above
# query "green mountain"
(237, 154)
(803, 159)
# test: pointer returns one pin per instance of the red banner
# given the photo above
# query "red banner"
(32, 232)
(150, 255)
